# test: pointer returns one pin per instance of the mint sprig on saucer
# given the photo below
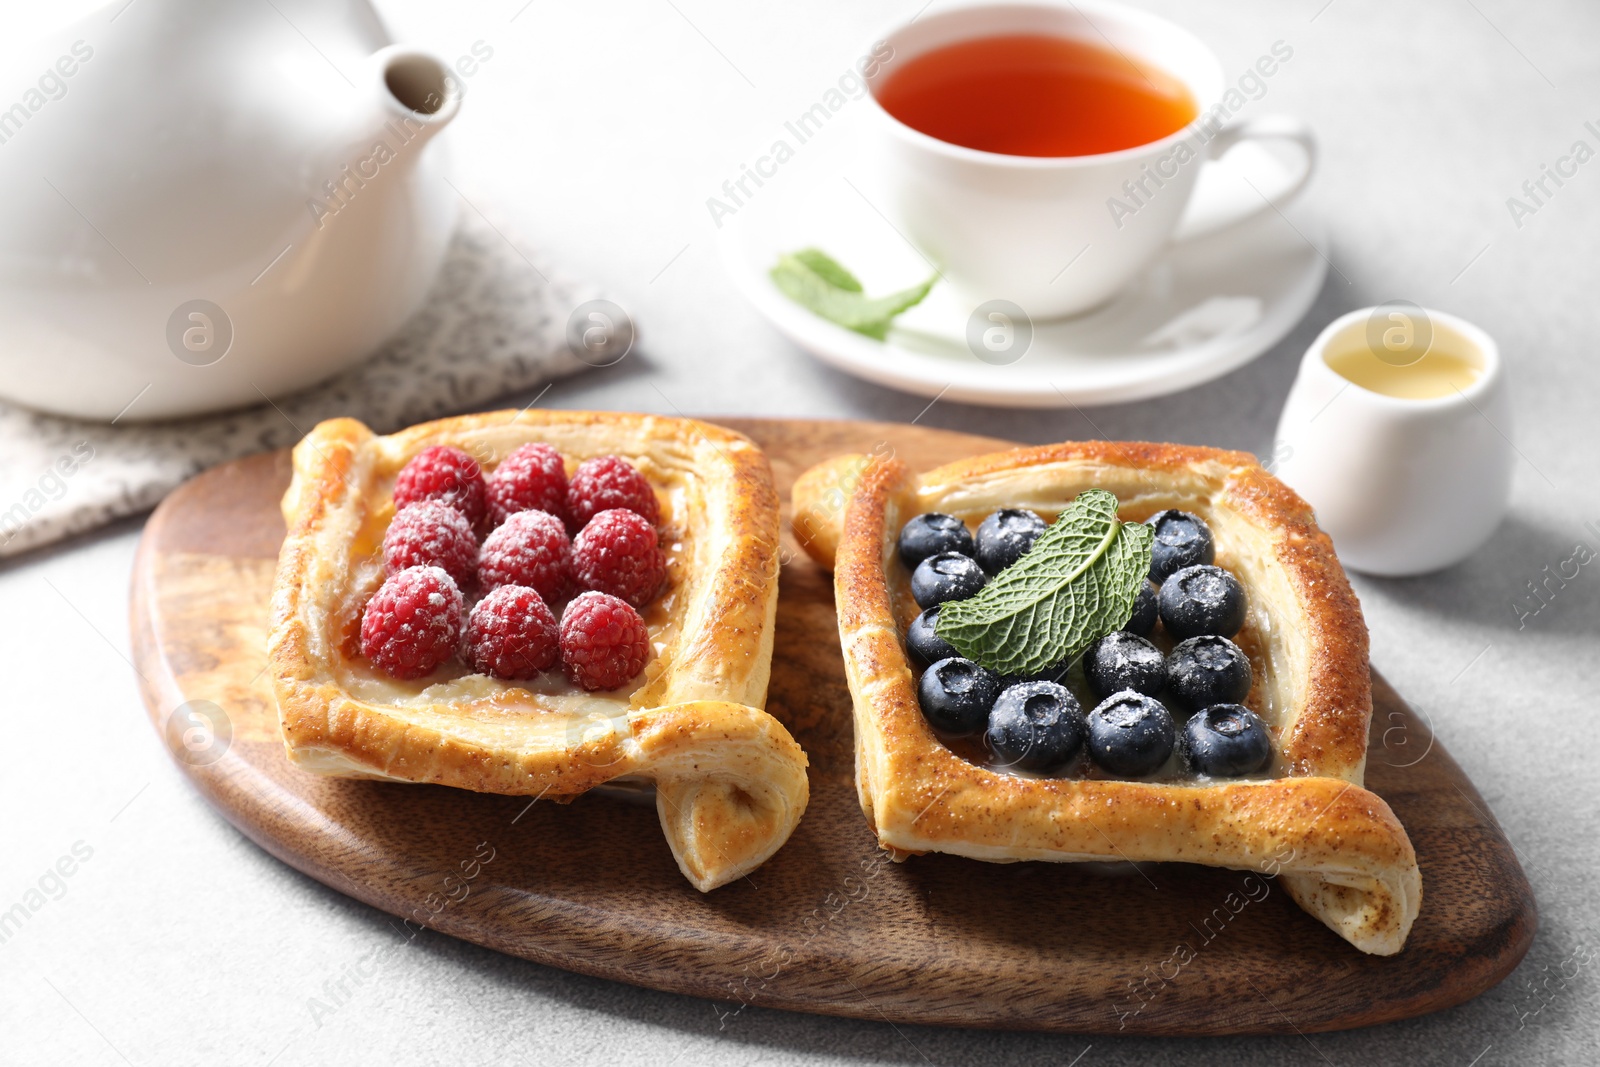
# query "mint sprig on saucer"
(1076, 584)
(816, 281)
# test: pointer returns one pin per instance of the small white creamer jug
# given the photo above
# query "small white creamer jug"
(1397, 433)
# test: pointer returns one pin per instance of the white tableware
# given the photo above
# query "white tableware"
(1201, 309)
(1005, 227)
(1403, 486)
(209, 202)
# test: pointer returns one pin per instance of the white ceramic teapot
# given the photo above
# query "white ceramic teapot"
(211, 201)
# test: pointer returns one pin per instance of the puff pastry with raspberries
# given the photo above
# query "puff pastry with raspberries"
(360, 697)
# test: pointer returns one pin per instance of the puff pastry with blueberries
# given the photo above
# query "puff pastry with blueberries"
(361, 694)
(1296, 807)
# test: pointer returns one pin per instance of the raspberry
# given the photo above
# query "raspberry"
(530, 548)
(431, 532)
(607, 482)
(512, 634)
(412, 623)
(532, 478)
(617, 554)
(446, 474)
(604, 642)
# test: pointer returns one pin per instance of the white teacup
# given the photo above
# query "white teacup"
(1403, 485)
(1003, 226)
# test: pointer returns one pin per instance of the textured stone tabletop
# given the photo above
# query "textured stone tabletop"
(602, 129)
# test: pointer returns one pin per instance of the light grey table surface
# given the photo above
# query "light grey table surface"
(602, 128)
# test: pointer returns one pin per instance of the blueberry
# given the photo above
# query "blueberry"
(946, 576)
(1004, 536)
(1130, 734)
(932, 533)
(1121, 660)
(1202, 600)
(1225, 741)
(925, 645)
(1182, 540)
(1144, 615)
(1203, 671)
(1035, 726)
(956, 695)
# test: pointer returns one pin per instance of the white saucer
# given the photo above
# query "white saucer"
(1204, 308)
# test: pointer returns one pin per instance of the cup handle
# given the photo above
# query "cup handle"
(1216, 207)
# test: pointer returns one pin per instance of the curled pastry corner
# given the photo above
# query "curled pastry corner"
(1343, 855)
(1361, 878)
(730, 786)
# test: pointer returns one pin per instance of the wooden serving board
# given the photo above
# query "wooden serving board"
(827, 925)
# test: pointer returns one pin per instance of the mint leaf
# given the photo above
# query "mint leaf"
(1077, 584)
(828, 269)
(816, 281)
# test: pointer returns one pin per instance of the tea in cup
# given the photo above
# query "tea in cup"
(1045, 153)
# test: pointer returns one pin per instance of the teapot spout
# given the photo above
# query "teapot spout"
(415, 93)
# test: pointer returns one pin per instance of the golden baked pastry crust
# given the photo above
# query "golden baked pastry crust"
(730, 781)
(1341, 852)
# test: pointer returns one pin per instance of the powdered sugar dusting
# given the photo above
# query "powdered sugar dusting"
(532, 478)
(530, 548)
(513, 634)
(431, 533)
(604, 642)
(446, 474)
(617, 553)
(413, 622)
(607, 482)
